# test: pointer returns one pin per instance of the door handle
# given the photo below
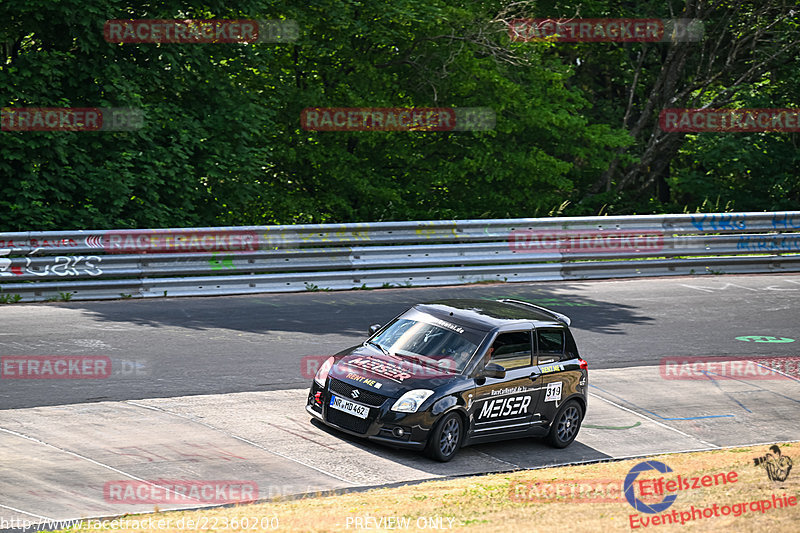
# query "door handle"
(534, 375)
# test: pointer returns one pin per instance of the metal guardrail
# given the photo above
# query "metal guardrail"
(105, 264)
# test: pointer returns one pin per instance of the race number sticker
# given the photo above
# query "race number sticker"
(553, 393)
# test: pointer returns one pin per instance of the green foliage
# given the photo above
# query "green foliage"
(731, 170)
(311, 287)
(173, 171)
(366, 55)
(746, 172)
(222, 142)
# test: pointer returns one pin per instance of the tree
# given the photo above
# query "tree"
(433, 54)
(743, 52)
(185, 167)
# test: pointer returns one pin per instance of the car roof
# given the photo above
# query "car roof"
(489, 314)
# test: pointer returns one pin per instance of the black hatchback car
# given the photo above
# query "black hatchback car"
(451, 373)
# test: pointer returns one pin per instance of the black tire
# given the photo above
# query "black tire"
(445, 439)
(566, 425)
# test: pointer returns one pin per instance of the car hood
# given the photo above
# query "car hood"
(392, 376)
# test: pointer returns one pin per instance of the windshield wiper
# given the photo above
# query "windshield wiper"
(384, 350)
(419, 360)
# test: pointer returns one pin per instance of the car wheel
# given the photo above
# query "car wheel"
(445, 439)
(566, 425)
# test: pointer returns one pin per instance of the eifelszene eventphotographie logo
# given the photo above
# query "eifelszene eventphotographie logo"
(630, 493)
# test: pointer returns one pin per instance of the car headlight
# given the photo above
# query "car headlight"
(411, 401)
(322, 373)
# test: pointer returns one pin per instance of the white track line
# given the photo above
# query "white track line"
(756, 362)
(98, 463)
(517, 467)
(237, 437)
(46, 519)
(653, 420)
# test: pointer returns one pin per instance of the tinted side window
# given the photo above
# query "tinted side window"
(571, 348)
(550, 344)
(512, 350)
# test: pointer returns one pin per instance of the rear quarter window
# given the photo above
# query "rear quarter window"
(550, 345)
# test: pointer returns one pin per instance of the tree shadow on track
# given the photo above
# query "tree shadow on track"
(348, 312)
(217, 345)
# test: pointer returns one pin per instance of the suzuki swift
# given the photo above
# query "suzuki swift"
(452, 373)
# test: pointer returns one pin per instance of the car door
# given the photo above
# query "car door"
(505, 405)
(559, 379)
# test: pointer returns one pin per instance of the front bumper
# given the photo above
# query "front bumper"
(381, 425)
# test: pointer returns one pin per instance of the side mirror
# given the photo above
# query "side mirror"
(373, 329)
(493, 370)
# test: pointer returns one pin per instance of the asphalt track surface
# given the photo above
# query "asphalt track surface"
(213, 388)
(217, 345)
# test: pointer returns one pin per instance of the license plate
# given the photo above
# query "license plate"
(352, 408)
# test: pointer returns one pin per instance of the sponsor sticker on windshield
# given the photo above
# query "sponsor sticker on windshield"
(444, 324)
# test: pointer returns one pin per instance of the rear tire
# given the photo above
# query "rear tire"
(566, 425)
(445, 439)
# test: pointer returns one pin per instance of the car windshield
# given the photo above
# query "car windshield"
(426, 344)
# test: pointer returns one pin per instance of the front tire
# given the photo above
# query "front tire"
(566, 425)
(445, 439)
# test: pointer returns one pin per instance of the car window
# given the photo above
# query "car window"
(550, 345)
(429, 344)
(512, 350)
(571, 349)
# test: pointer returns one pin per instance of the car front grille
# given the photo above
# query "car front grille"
(349, 422)
(365, 397)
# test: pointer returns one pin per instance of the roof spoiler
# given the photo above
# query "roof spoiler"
(558, 316)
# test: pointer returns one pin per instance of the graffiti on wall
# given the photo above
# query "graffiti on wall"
(60, 265)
